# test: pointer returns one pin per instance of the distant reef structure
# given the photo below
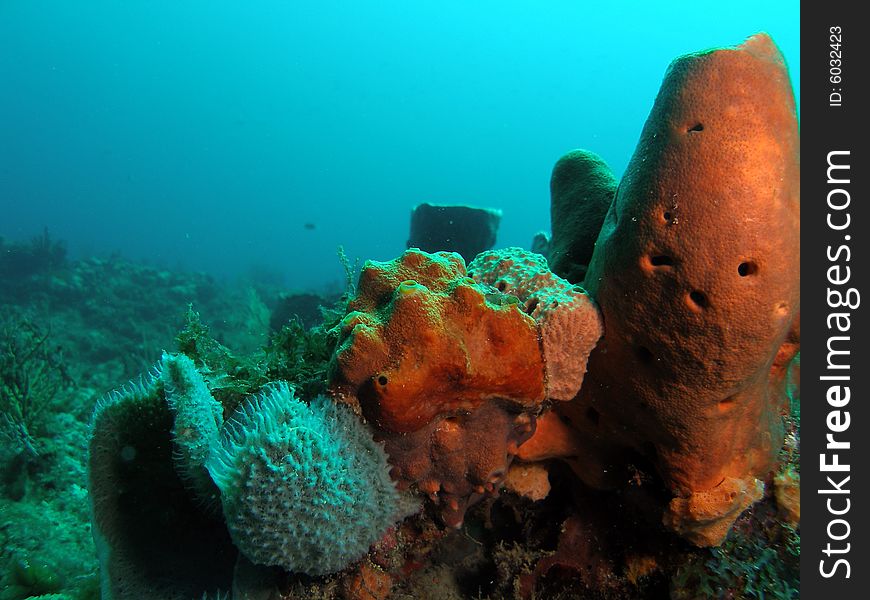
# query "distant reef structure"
(616, 419)
(466, 230)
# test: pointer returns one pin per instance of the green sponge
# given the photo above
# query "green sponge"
(303, 487)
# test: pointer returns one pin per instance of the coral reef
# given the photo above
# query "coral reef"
(545, 467)
(32, 375)
(582, 187)
(302, 306)
(759, 559)
(45, 549)
(102, 319)
(303, 486)
(466, 230)
(26, 266)
(302, 356)
(74, 328)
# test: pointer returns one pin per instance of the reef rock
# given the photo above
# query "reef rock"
(467, 230)
(582, 187)
(697, 273)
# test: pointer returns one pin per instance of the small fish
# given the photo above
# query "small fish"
(309, 226)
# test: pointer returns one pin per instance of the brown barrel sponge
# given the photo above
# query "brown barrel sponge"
(697, 273)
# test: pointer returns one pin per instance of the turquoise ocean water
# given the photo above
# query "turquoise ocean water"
(207, 134)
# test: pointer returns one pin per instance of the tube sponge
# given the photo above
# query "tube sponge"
(303, 487)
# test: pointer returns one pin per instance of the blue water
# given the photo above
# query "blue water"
(207, 134)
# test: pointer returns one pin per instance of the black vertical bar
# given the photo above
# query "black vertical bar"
(835, 363)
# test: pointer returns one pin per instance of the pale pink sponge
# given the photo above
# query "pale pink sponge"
(568, 321)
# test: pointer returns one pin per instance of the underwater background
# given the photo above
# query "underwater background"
(206, 134)
(203, 180)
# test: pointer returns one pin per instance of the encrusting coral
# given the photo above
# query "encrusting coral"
(697, 274)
